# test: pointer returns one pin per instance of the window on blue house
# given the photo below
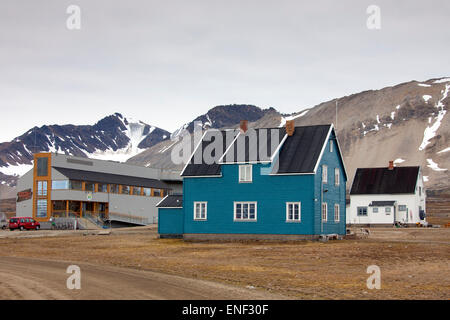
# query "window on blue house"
(245, 173)
(293, 210)
(336, 177)
(324, 212)
(331, 146)
(324, 174)
(336, 213)
(200, 210)
(245, 211)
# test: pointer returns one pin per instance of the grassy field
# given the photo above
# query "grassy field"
(414, 262)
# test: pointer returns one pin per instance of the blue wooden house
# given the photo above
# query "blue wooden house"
(295, 192)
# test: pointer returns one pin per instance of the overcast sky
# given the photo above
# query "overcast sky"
(166, 62)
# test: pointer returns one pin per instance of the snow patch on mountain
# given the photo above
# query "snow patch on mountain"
(16, 170)
(179, 132)
(134, 132)
(288, 118)
(426, 97)
(445, 150)
(430, 131)
(442, 80)
(434, 166)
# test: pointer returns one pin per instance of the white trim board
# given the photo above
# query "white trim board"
(323, 148)
(228, 148)
(161, 201)
(192, 154)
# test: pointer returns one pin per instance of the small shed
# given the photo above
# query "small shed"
(171, 217)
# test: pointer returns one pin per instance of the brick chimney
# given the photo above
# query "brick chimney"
(391, 165)
(290, 127)
(244, 126)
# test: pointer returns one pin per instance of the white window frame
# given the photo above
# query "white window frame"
(337, 213)
(375, 210)
(299, 204)
(42, 186)
(387, 210)
(242, 213)
(200, 203)
(324, 173)
(324, 218)
(337, 177)
(363, 208)
(247, 178)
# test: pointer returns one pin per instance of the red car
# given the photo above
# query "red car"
(23, 223)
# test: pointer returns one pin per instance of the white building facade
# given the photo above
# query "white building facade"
(385, 196)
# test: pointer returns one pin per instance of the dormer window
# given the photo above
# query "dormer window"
(245, 173)
(331, 146)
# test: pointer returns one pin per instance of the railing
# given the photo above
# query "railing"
(129, 218)
(98, 218)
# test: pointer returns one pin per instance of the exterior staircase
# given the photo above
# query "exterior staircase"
(87, 224)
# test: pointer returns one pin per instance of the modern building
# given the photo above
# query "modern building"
(384, 196)
(67, 186)
(295, 191)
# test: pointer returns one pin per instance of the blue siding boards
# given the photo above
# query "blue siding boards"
(170, 221)
(334, 195)
(271, 192)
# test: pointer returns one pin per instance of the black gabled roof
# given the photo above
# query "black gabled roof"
(298, 153)
(171, 201)
(301, 151)
(203, 169)
(259, 151)
(385, 181)
(93, 176)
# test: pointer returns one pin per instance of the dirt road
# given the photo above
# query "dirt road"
(26, 278)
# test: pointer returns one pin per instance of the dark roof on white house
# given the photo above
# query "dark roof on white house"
(297, 154)
(385, 181)
(171, 201)
(381, 203)
(94, 176)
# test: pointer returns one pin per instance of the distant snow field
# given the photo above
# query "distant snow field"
(442, 80)
(399, 160)
(18, 170)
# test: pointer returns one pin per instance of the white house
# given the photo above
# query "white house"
(383, 196)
